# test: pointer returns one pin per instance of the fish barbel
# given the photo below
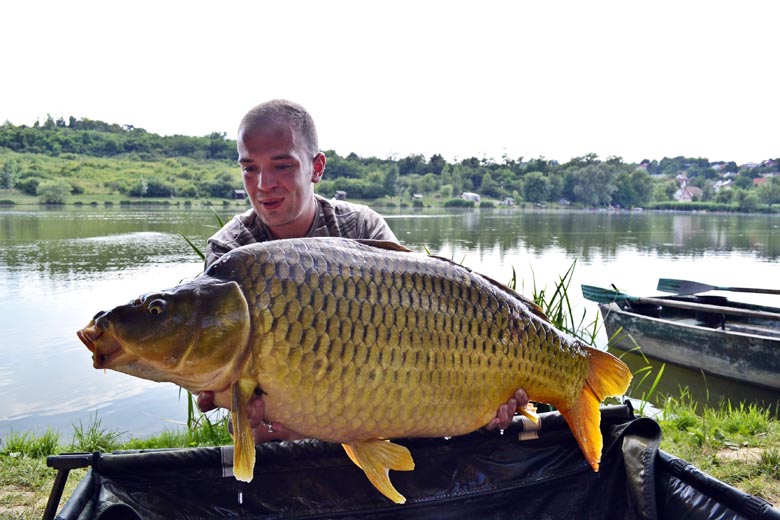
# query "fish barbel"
(356, 342)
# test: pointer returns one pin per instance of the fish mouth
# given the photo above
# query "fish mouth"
(103, 347)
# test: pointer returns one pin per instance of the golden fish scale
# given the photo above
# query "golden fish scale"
(354, 342)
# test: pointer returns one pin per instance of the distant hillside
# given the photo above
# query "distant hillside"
(82, 156)
(99, 139)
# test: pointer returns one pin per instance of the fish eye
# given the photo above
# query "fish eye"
(156, 307)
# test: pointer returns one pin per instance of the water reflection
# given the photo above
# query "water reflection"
(582, 234)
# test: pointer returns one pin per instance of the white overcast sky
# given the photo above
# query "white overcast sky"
(479, 78)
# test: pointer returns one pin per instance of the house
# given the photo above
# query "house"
(467, 195)
(239, 194)
(688, 193)
(722, 184)
(340, 195)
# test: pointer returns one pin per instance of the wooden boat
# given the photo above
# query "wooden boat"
(528, 472)
(735, 340)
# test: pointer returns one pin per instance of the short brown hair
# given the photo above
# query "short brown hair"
(287, 112)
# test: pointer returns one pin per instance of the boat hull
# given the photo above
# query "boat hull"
(698, 343)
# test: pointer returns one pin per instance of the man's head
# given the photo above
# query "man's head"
(280, 160)
(289, 114)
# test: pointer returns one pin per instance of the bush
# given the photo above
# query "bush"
(53, 192)
(76, 188)
(459, 203)
(187, 190)
(6, 202)
(29, 185)
(487, 204)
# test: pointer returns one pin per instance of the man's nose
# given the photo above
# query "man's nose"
(266, 180)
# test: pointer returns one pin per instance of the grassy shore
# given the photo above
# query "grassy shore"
(26, 480)
(15, 199)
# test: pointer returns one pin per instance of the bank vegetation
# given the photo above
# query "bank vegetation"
(61, 161)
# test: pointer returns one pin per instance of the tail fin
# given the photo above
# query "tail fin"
(607, 375)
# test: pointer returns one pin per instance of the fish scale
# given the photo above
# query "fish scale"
(356, 342)
(404, 317)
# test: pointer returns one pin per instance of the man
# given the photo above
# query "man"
(281, 162)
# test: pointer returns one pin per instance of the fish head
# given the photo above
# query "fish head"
(195, 335)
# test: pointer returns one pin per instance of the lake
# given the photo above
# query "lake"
(58, 267)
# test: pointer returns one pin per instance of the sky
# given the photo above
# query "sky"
(553, 79)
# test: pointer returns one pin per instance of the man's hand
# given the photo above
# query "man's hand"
(263, 431)
(506, 411)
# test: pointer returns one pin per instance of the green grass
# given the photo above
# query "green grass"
(31, 445)
(26, 480)
(736, 443)
(93, 437)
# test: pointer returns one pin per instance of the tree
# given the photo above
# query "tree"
(769, 191)
(140, 188)
(436, 164)
(746, 200)
(536, 187)
(594, 184)
(664, 191)
(633, 189)
(390, 180)
(9, 174)
(414, 163)
(585, 160)
(54, 191)
(489, 187)
(222, 186)
(744, 182)
(724, 196)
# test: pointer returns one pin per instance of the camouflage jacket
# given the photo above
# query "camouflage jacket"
(334, 218)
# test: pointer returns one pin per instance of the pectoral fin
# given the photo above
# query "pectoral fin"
(243, 440)
(376, 457)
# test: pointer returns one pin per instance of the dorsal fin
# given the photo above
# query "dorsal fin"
(393, 246)
(384, 244)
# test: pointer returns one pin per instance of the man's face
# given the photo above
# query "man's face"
(279, 177)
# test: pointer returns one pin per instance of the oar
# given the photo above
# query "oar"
(597, 294)
(687, 287)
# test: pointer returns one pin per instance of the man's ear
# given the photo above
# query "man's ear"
(318, 167)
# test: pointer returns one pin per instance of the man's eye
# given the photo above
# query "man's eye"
(283, 166)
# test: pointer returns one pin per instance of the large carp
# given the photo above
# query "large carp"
(356, 342)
